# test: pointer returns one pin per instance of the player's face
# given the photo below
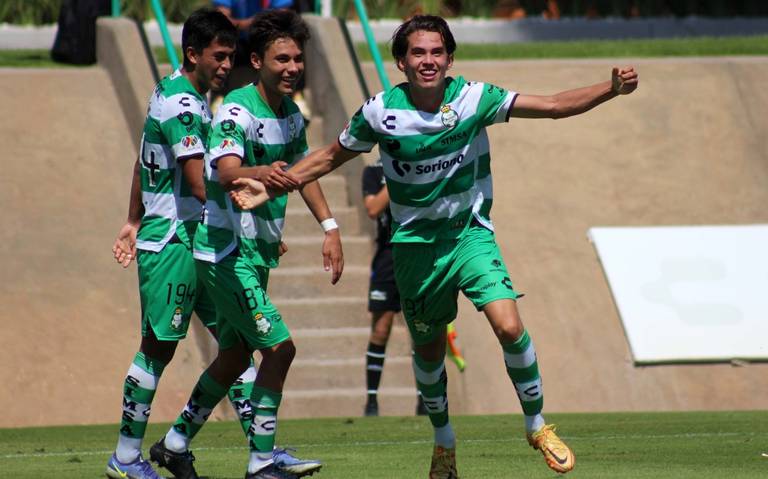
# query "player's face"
(214, 65)
(281, 67)
(426, 62)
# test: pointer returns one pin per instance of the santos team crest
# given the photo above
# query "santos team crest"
(448, 116)
(178, 318)
(263, 326)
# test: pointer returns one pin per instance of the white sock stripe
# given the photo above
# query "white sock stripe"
(248, 376)
(425, 377)
(196, 414)
(263, 426)
(376, 355)
(529, 391)
(373, 391)
(142, 378)
(435, 405)
(374, 367)
(522, 360)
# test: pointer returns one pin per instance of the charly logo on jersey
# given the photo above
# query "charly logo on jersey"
(263, 326)
(189, 142)
(448, 116)
(178, 318)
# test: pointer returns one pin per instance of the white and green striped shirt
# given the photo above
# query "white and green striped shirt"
(437, 165)
(246, 127)
(176, 128)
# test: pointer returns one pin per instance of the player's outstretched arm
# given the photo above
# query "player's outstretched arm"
(248, 193)
(574, 102)
(124, 247)
(320, 162)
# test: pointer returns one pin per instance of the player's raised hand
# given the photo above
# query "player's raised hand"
(282, 249)
(124, 248)
(249, 193)
(624, 80)
(333, 256)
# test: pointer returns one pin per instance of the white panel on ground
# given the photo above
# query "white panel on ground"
(693, 293)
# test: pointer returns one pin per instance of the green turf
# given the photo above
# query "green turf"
(617, 446)
(28, 58)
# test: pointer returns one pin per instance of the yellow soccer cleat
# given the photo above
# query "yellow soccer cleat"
(558, 455)
(443, 464)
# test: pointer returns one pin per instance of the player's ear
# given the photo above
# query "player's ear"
(256, 61)
(401, 64)
(191, 55)
(450, 61)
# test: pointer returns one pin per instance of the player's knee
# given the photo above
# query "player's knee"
(285, 352)
(509, 331)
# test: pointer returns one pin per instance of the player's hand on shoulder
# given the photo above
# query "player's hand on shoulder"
(249, 193)
(624, 80)
(124, 248)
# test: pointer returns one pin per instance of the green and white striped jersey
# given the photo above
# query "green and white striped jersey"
(246, 127)
(176, 127)
(437, 165)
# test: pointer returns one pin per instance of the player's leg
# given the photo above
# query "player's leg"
(381, 327)
(428, 296)
(166, 289)
(486, 282)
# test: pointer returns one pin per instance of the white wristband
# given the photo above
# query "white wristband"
(329, 224)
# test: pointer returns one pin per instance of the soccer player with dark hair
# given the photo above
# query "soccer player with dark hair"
(166, 203)
(436, 156)
(257, 132)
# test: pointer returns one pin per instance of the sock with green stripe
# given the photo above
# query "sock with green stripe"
(261, 434)
(240, 396)
(523, 369)
(138, 393)
(432, 383)
(205, 397)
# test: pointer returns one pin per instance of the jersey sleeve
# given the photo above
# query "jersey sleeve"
(228, 132)
(495, 103)
(181, 123)
(358, 135)
(372, 183)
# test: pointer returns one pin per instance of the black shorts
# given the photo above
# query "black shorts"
(383, 296)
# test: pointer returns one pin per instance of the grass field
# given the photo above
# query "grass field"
(616, 446)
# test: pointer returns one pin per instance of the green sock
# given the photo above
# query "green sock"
(261, 433)
(522, 368)
(432, 383)
(240, 397)
(138, 393)
(205, 397)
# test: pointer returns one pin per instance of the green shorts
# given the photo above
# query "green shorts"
(430, 275)
(244, 312)
(169, 292)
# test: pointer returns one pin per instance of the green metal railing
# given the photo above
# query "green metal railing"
(363, 15)
(157, 8)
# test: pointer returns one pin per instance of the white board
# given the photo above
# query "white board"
(689, 293)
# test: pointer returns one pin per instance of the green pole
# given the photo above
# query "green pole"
(115, 8)
(363, 15)
(160, 16)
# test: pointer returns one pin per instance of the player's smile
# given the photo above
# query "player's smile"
(426, 61)
(281, 67)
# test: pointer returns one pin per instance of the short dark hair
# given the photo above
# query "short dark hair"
(429, 23)
(203, 27)
(272, 25)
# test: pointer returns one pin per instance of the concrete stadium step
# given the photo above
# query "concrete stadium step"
(321, 375)
(347, 402)
(334, 188)
(337, 345)
(328, 311)
(300, 222)
(306, 250)
(313, 281)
